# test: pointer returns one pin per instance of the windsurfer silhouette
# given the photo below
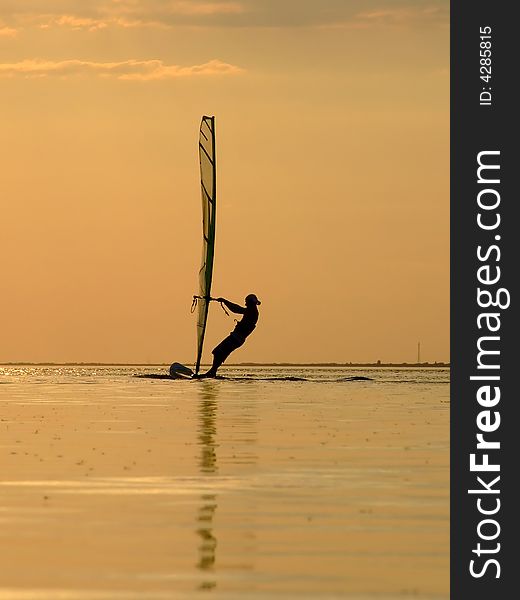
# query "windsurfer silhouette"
(238, 336)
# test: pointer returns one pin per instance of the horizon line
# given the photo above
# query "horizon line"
(242, 364)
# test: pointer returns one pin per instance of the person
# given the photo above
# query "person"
(238, 336)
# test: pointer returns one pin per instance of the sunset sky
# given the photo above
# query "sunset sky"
(332, 122)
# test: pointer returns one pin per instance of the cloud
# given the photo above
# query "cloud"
(76, 23)
(98, 14)
(7, 31)
(128, 13)
(397, 16)
(129, 70)
(402, 16)
(206, 8)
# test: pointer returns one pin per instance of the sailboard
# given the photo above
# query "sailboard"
(208, 184)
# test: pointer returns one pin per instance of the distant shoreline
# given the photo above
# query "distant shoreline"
(245, 364)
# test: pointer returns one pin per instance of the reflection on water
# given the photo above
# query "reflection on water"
(208, 466)
(241, 428)
(207, 427)
(208, 546)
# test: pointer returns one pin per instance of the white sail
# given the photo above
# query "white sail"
(208, 190)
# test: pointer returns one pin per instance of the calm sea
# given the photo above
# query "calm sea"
(291, 482)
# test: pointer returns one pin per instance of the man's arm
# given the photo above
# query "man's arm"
(236, 308)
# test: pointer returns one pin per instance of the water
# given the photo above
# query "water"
(291, 482)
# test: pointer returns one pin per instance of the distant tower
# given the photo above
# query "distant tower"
(419, 353)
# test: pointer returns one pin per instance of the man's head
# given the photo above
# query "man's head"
(252, 300)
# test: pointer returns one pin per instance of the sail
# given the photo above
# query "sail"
(208, 187)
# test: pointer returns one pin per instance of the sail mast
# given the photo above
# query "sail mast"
(208, 181)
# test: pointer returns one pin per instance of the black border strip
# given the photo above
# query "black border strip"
(476, 127)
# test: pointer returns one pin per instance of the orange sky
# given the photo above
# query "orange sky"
(333, 182)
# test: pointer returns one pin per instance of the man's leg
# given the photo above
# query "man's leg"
(217, 361)
(220, 353)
